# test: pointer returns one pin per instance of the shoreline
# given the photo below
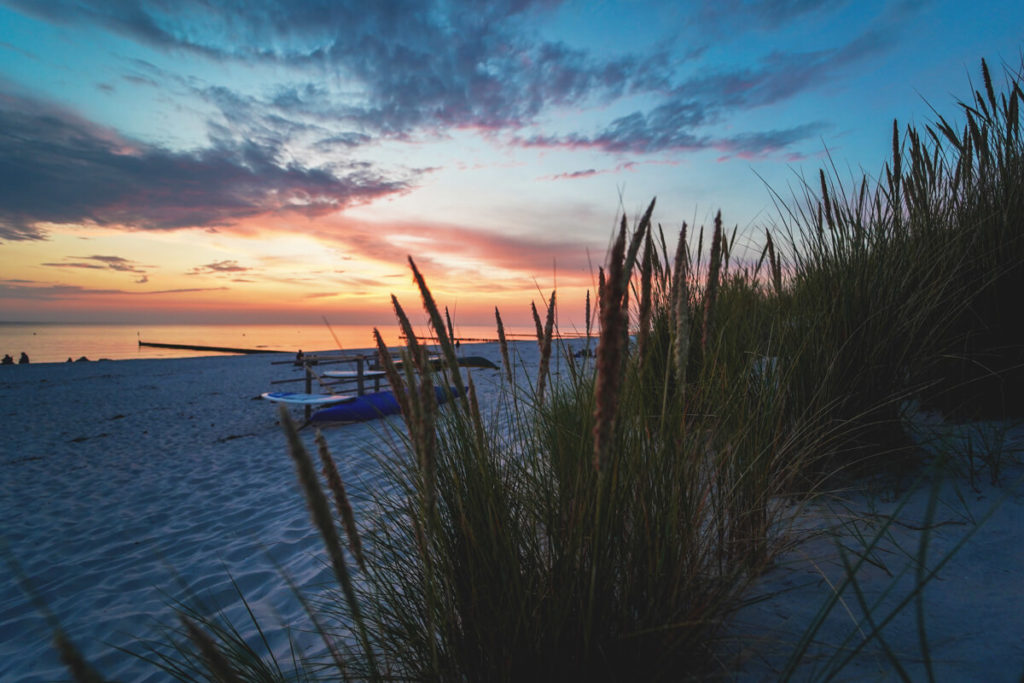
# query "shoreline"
(56, 342)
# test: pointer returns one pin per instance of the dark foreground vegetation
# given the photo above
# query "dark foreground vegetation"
(604, 522)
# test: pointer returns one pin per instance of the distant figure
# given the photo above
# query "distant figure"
(8, 360)
(24, 359)
(68, 360)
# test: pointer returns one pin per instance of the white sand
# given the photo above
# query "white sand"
(124, 482)
(973, 609)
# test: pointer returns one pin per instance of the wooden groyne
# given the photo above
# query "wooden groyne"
(193, 347)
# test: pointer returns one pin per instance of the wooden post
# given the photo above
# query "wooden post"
(309, 386)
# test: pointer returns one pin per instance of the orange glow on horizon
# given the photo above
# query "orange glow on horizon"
(269, 270)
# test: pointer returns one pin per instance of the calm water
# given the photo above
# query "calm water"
(55, 343)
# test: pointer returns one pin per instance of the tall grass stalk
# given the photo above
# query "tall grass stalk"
(610, 349)
(503, 345)
(322, 520)
(446, 342)
(81, 671)
(711, 289)
(545, 348)
(681, 311)
(216, 661)
(341, 502)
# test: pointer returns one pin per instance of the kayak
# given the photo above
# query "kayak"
(370, 406)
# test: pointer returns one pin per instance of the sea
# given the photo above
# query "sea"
(60, 342)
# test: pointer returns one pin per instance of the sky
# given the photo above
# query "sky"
(279, 160)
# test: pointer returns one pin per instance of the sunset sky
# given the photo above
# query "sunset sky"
(277, 160)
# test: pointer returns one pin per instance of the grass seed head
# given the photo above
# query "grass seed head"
(610, 351)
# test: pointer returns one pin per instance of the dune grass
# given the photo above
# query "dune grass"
(903, 287)
(603, 523)
(605, 530)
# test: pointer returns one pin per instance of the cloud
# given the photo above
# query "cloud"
(761, 14)
(405, 69)
(97, 262)
(780, 75)
(125, 18)
(667, 127)
(56, 167)
(639, 136)
(465, 251)
(118, 263)
(346, 140)
(24, 289)
(91, 266)
(4, 45)
(762, 144)
(226, 266)
(680, 123)
(408, 65)
(575, 174)
(587, 173)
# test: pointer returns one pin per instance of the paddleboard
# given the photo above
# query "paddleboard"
(300, 399)
(353, 374)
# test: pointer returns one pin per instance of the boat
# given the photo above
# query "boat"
(370, 406)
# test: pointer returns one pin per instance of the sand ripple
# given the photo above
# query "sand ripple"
(129, 485)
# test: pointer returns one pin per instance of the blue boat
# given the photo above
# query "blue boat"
(370, 406)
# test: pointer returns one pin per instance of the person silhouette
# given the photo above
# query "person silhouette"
(7, 359)
(24, 359)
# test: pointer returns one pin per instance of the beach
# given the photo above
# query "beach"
(130, 485)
